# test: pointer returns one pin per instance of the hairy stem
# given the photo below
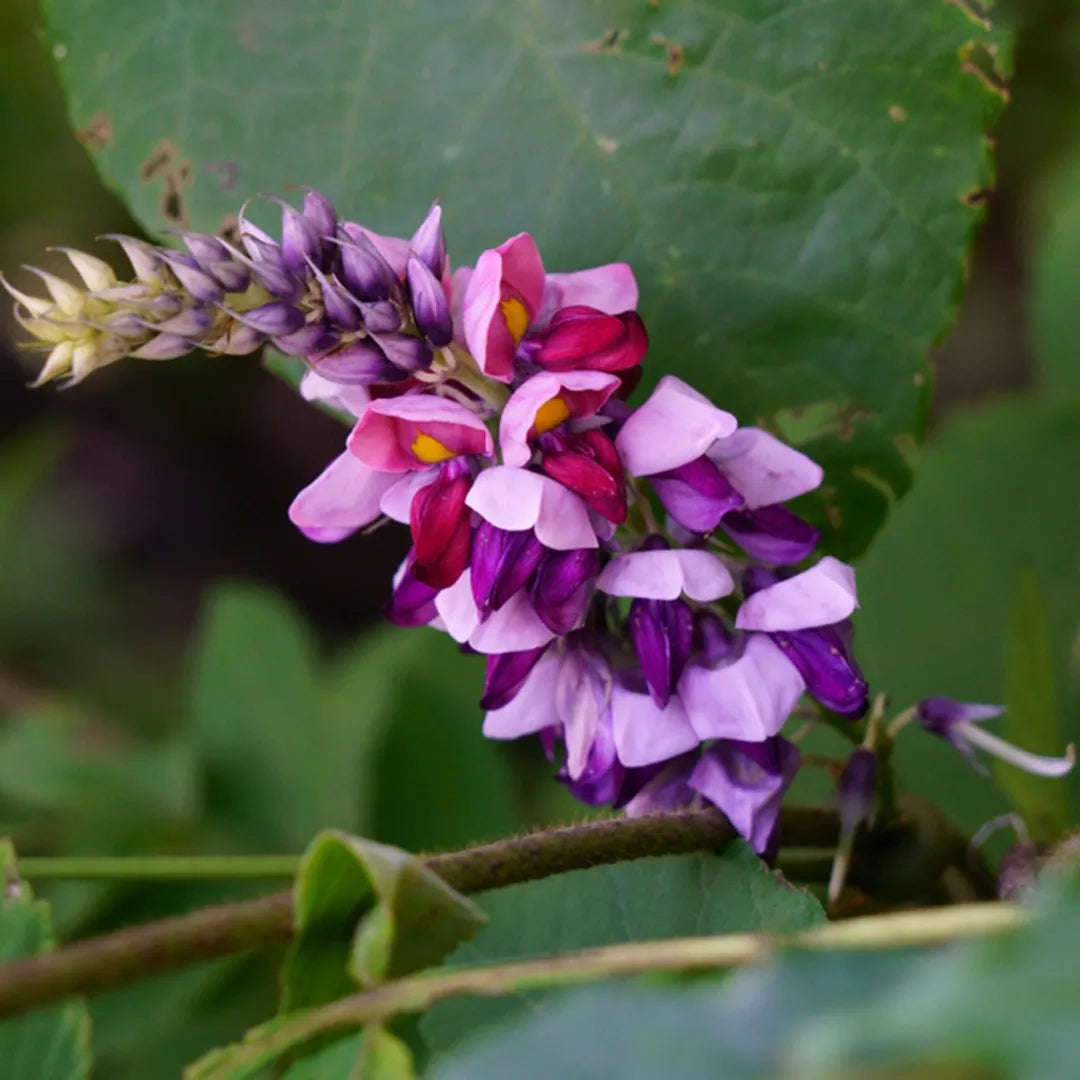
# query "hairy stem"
(157, 867)
(418, 992)
(138, 952)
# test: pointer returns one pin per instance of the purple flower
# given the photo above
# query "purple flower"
(957, 721)
(857, 789)
(747, 781)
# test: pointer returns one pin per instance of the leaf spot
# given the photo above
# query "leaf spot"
(897, 113)
(97, 133)
(607, 144)
(608, 43)
(165, 162)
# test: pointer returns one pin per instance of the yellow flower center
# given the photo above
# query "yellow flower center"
(551, 414)
(430, 451)
(517, 318)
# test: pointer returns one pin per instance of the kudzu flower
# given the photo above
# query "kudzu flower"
(657, 660)
(957, 722)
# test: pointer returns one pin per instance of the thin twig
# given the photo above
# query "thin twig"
(128, 955)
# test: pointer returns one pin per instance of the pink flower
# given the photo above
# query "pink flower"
(343, 498)
(544, 402)
(762, 469)
(415, 431)
(820, 596)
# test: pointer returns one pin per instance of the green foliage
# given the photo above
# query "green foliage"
(1031, 716)
(937, 591)
(647, 899)
(1001, 1008)
(366, 912)
(788, 183)
(50, 1044)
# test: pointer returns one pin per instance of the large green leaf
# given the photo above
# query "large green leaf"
(997, 498)
(790, 181)
(52, 1043)
(664, 897)
(999, 1008)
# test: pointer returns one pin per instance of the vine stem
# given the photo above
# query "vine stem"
(157, 867)
(418, 992)
(138, 952)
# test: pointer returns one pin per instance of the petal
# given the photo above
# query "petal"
(582, 393)
(645, 734)
(457, 609)
(343, 498)
(515, 627)
(523, 270)
(611, 289)
(516, 499)
(820, 596)
(396, 500)
(666, 575)
(697, 495)
(387, 434)
(674, 426)
(772, 534)
(749, 698)
(763, 469)
(353, 399)
(533, 707)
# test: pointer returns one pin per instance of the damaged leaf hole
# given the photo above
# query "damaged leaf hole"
(166, 163)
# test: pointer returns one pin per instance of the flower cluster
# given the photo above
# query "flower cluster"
(634, 577)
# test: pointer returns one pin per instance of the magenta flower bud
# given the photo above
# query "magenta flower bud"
(361, 362)
(428, 244)
(823, 658)
(583, 338)
(563, 587)
(502, 562)
(662, 632)
(299, 239)
(589, 465)
(430, 307)
(697, 495)
(506, 674)
(857, 791)
(368, 275)
(772, 534)
(412, 603)
(273, 319)
(195, 281)
(440, 525)
(406, 352)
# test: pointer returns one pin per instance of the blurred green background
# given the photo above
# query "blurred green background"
(181, 671)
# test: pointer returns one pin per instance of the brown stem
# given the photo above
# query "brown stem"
(126, 956)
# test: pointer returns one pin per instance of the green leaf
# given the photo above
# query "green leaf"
(664, 897)
(334, 1062)
(789, 181)
(1055, 281)
(1003, 1007)
(936, 593)
(48, 1044)
(1031, 716)
(366, 912)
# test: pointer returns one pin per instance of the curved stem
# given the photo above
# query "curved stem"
(138, 952)
(417, 992)
(157, 867)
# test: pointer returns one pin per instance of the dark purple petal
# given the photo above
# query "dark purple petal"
(412, 602)
(319, 210)
(588, 464)
(277, 281)
(407, 352)
(428, 244)
(713, 641)
(662, 633)
(381, 317)
(772, 534)
(506, 673)
(299, 239)
(272, 319)
(310, 340)
(857, 790)
(340, 307)
(697, 495)
(360, 362)
(939, 714)
(563, 587)
(756, 578)
(824, 659)
(430, 307)
(501, 563)
(368, 275)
